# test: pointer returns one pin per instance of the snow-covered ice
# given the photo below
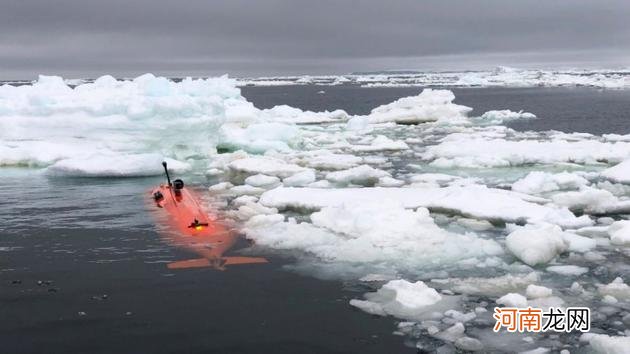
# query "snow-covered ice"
(502, 116)
(538, 182)
(470, 151)
(399, 296)
(619, 232)
(265, 165)
(428, 106)
(498, 204)
(536, 245)
(619, 173)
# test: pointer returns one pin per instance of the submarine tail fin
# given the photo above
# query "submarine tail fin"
(225, 261)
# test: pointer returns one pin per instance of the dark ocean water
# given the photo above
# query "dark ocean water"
(65, 243)
(83, 270)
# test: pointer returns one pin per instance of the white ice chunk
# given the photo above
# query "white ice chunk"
(261, 180)
(568, 270)
(381, 143)
(330, 161)
(536, 291)
(300, 179)
(291, 115)
(490, 286)
(460, 317)
(474, 224)
(243, 200)
(265, 165)
(133, 165)
(260, 137)
(619, 173)
(250, 209)
(453, 333)
(537, 182)
(592, 200)
(246, 190)
(536, 244)
(497, 117)
(512, 300)
(360, 175)
(387, 181)
(617, 288)
(429, 106)
(399, 298)
(578, 243)
(220, 187)
(619, 232)
(357, 123)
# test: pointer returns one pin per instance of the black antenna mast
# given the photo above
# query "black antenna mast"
(168, 178)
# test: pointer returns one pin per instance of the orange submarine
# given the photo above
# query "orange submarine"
(194, 230)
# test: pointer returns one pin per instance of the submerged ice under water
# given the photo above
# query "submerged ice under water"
(442, 211)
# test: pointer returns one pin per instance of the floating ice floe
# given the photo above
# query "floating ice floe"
(592, 201)
(569, 270)
(264, 165)
(619, 173)
(512, 300)
(360, 175)
(326, 160)
(535, 245)
(537, 182)
(619, 232)
(536, 291)
(370, 233)
(499, 205)
(381, 143)
(617, 289)
(537, 296)
(300, 179)
(132, 165)
(291, 115)
(259, 137)
(49, 121)
(262, 181)
(399, 298)
(502, 116)
(489, 286)
(428, 106)
(473, 152)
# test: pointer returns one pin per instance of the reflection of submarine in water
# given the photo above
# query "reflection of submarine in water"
(194, 230)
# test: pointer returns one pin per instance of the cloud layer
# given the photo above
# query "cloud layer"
(240, 37)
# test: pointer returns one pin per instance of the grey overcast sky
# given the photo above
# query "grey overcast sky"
(86, 38)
